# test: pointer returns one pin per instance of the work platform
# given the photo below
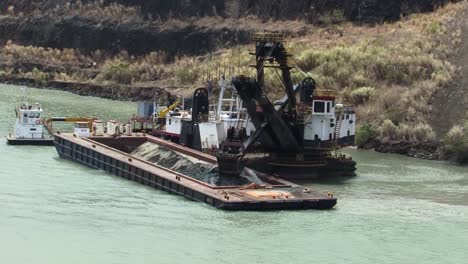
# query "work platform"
(111, 154)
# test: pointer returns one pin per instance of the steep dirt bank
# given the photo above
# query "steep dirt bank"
(365, 11)
(450, 105)
(353, 10)
(112, 37)
(177, 27)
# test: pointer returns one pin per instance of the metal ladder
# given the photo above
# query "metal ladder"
(338, 128)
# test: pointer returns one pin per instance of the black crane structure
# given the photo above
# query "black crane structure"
(277, 126)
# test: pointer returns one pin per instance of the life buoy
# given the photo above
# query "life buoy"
(38, 122)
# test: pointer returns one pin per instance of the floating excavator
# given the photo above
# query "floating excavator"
(286, 129)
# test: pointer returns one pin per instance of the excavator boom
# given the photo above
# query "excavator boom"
(89, 120)
(275, 124)
(164, 112)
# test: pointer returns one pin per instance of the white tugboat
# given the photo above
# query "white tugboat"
(29, 127)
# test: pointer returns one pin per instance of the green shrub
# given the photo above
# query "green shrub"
(404, 132)
(420, 132)
(40, 77)
(395, 73)
(361, 95)
(388, 129)
(308, 60)
(63, 77)
(187, 75)
(396, 115)
(118, 72)
(364, 134)
(359, 80)
(434, 27)
(333, 17)
(423, 132)
(343, 76)
(366, 63)
(456, 144)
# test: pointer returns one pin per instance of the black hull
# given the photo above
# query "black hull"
(297, 171)
(30, 142)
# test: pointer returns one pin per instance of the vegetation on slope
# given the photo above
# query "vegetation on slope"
(389, 71)
(456, 144)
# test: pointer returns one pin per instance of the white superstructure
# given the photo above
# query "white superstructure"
(326, 120)
(226, 113)
(82, 129)
(29, 128)
(29, 123)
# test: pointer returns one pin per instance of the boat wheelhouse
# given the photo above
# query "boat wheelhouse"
(327, 121)
(29, 127)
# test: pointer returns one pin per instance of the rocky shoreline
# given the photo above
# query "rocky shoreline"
(420, 150)
(114, 92)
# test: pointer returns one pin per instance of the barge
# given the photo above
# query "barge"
(113, 154)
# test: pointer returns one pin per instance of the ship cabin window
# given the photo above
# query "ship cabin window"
(322, 107)
(32, 115)
(347, 117)
(25, 115)
(170, 121)
(38, 115)
(319, 107)
(81, 125)
(32, 129)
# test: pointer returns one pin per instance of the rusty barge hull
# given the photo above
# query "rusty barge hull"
(111, 155)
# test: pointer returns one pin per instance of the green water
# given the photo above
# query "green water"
(398, 210)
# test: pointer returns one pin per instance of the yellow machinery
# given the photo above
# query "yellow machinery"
(164, 112)
(89, 120)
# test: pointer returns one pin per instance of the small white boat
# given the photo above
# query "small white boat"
(29, 127)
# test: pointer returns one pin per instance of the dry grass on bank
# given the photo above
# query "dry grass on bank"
(114, 14)
(389, 71)
(456, 143)
(93, 11)
(13, 53)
